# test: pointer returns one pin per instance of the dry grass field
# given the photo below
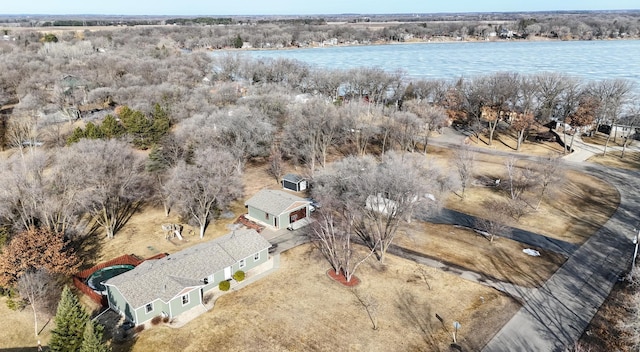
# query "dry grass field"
(501, 259)
(631, 160)
(299, 308)
(505, 140)
(17, 329)
(601, 139)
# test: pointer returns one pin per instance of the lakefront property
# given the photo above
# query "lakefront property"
(174, 284)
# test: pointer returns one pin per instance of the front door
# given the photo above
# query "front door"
(227, 273)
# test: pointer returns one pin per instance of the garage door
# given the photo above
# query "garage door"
(297, 215)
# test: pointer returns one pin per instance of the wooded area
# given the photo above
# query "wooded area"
(95, 125)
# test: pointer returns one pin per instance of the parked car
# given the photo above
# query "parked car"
(314, 204)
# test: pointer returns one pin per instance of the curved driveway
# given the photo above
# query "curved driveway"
(554, 316)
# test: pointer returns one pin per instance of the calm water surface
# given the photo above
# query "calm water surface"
(588, 59)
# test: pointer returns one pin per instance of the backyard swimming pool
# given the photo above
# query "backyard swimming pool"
(96, 279)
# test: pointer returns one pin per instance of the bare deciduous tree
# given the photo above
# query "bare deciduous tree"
(464, 161)
(370, 304)
(23, 133)
(501, 94)
(432, 117)
(36, 286)
(275, 167)
(519, 179)
(632, 120)
(494, 221)
(205, 187)
(314, 128)
(614, 94)
(113, 177)
(378, 196)
(332, 235)
(549, 174)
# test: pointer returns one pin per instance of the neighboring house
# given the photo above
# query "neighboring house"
(294, 182)
(177, 283)
(278, 209)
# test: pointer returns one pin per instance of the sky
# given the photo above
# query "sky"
(297, 7)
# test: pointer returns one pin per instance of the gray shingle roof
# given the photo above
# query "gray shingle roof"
(275, 202)
(165, 278)
(292, 178)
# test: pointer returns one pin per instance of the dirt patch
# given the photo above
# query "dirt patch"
(342, 279)
(299, 308)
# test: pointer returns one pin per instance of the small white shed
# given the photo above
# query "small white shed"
(294, 182)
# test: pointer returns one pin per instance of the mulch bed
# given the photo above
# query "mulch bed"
(339, 277)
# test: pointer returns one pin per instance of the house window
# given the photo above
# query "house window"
(256, 257)
(148, 308)
(243, 263)
(185, 299)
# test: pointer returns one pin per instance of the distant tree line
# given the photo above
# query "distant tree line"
(273, 32)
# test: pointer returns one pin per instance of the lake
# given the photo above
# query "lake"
(588, 59)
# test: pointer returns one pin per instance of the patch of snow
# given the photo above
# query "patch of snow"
(531, 252)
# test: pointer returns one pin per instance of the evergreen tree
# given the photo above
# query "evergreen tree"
(138, 126)
(111, 128)
(238, 42)
(70, 321)
(92, 339)
(78, 134)
(161, 123)
(92, 131)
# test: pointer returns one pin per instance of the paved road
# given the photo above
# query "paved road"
(555, 315)
(448, 216)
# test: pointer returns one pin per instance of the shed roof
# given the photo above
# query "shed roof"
(293, 178)
(165, 278)
(276, 202)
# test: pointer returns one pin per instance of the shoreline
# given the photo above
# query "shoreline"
(411, 42)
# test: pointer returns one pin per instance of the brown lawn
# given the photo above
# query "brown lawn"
(505, 140)
(631, 160)
(601, 139)
(17, 333)
(299, 308)
(501, 259)
(572, 212)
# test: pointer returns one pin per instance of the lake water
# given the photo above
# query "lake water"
(592, 60)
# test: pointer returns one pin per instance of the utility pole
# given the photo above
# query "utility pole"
(636, 241)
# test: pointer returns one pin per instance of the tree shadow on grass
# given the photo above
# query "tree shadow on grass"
(419, 315)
